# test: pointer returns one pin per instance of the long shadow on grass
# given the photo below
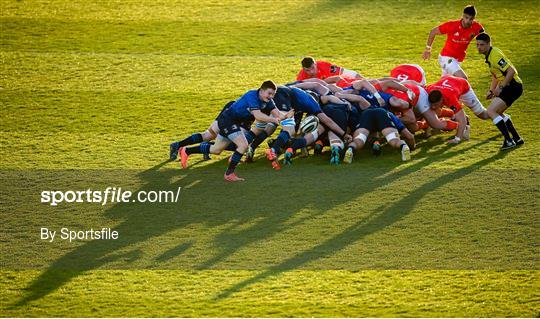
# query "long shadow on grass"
(337, 186)
(373, 223)
(214, 203)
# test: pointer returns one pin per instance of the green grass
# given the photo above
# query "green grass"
(92, 93)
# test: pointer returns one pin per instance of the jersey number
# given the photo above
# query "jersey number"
(445, 84)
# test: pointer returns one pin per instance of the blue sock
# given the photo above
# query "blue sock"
(280, 141)
(235, 159)
(250, 136)
(298, 143)
(193, 139)
(231, 147)
(205, 148)
(259, 139)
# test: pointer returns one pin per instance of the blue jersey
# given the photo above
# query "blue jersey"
(242, 108)
(399, 125)
(304, 102)
(373, 100)
(283, 98)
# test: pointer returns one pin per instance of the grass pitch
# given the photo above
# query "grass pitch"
(92, 93)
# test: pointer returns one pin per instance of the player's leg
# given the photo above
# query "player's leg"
(496, 112)
(471, 100)
(392, 137)
(302, 142)
(360, 136)
(194, 138)
(261, 134)
(509, 95)
(336, 145)
(383, 123)
(205, 148)
(239, 139)
(451, 66)
(287, 131)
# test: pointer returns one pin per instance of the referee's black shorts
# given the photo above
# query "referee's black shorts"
(511, 92)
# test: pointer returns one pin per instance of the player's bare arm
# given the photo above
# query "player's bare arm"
(427, 51)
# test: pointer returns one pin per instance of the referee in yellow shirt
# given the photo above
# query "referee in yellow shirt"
(506, 87)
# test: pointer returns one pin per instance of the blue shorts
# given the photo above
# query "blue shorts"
(339, 113)
(375, 119)
(243, 124)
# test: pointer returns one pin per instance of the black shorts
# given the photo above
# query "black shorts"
(339, 113)
(227, 125)
(354, 118)
(245, 124)
(375, 119)
(511, 92)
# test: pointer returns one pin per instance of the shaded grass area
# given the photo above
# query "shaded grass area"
(301, 293)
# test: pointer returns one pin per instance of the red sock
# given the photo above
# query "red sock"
(446, 113)
(450, 125)
(422, 125)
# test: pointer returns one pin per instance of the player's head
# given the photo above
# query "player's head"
(309, 66)
(469, 13)
(267, 90)
(483, 43)
(435, 99)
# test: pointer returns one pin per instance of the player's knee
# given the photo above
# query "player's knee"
(216, 150)
(440, 125)
(242, 147)
(209, 135)
(391, 136)
(492, 112)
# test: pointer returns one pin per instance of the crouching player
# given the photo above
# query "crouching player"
(450, 91)
(302, 102)
(374, 120)
(409, 72)
(250, 106)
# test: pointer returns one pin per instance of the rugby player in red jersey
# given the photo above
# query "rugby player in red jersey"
(459, 33)
(451, 91)
(326, 71)
(409, 72)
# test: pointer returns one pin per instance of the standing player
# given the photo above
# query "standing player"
(506, 87)
(326, 71)
(459, 33)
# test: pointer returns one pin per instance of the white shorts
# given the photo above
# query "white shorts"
(471, 100)
(349, 73)
(423, 101)
(449, 65)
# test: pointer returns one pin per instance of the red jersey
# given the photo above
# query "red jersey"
(406, 72)
(324, 70)
(404, 96)
(346, 82)
(458, 38)
(451, 88)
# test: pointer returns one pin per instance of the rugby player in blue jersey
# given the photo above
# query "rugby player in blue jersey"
(252, 105)
(301, 102)
(375, 119)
